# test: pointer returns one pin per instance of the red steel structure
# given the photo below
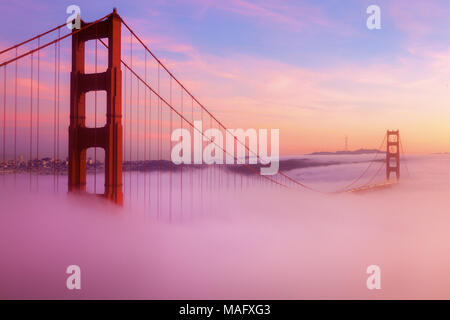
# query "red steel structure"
(109, 137)
(392, 154)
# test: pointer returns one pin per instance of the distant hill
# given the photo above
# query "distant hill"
(359, 151)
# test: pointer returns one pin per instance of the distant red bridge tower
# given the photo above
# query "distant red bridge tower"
(393, 154)
(109, 137)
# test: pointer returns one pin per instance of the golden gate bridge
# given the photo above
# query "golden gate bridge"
(50, 122)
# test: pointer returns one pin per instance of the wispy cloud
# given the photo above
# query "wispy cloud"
(296, 17)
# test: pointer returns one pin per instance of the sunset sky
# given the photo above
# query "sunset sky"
(310, 68)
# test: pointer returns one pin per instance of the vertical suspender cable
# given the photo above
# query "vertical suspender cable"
(158, 145)
(95, 115)
(150, 149)
(31, 119)
(192, 169)
(181, 167)
(137, 140)
(58, 110)
(54, 120)
(15, 121)
(145, 132)
(4, 118)
(131, 112)
(170, 169)
(37, 113)
(201, 171)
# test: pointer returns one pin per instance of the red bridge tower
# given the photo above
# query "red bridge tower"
(393, 154)
(108, 137)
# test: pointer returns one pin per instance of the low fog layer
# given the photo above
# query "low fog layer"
(257, 244)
